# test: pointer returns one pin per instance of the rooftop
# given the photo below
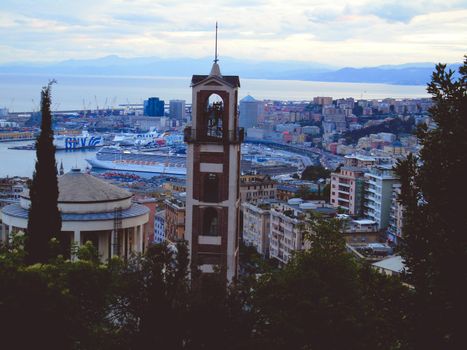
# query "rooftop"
(134, 210)
(233, 80)
(394, 263)
(78, 187)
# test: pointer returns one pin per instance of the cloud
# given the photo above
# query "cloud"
(345, 33)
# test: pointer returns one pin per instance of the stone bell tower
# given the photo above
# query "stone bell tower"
(213, 173)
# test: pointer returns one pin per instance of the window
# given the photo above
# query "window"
(214, 113)
(211, 187)
(210, 222)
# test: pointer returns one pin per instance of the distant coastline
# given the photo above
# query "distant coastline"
(403, 74)
(21, 92)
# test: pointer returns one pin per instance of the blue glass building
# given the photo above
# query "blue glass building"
(153, 107)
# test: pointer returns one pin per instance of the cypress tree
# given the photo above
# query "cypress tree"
(435, 221)
(44, 221)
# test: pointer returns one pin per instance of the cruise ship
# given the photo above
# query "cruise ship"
(153, 137)
(116, 158)
(85, 140)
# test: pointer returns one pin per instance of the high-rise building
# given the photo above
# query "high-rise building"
(257, 226)
(250, 110)
(153, 107)
(177, 109)
(347, 189)
(213, 173)
(378, 194)
(396, 216)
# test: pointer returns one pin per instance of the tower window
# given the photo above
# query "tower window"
(210, 222)
(211, 187)
(214, 113)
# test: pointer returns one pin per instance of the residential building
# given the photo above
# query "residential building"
(256, 225)
(360, 160)
(174, 222)
(361, 231)
(257, 187)
(396, 216)
(287, 232)
(288, 226)
(159, 227)
(150, 203)
(175, 185)
(347, 188)
(378, 194)
(10, 190)
(287, 191)
(324, 101)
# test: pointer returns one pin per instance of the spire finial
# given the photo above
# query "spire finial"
(215, 52)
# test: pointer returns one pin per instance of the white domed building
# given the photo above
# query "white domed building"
(92, 210)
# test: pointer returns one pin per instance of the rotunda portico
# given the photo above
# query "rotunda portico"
(91, 209)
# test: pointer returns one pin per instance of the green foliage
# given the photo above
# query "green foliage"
(315, 172)
(393, 126)
(435, 249)
(324, 299)
(44, 220)
(60, 305)
(252, 263)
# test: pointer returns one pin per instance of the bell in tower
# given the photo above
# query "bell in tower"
(213, 172)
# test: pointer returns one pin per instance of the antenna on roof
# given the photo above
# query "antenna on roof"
(215, 52)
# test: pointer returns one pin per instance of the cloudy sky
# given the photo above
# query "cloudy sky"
(337, 32)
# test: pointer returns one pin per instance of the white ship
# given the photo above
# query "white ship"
(85, 140)
(152, 137)
(115, 158)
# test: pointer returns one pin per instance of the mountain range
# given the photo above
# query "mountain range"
(404, 74)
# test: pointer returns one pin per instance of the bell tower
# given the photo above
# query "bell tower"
(213, 173)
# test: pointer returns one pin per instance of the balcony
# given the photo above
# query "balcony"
(191, 135)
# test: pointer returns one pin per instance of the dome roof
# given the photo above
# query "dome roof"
(78, 187)
(248, 98)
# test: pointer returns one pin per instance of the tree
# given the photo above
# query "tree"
(315, 172)
(325, 299)
(44, 221)
(435, 249)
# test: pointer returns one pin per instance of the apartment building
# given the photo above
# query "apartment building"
(257, 187)
(359, 160)
(289, 225)
(360, 231)
(396, 216)
(175, 218)
(159, 227)
(347, 189)
(257, 225)
(378, 194)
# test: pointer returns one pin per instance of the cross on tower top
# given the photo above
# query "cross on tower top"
(215, 70)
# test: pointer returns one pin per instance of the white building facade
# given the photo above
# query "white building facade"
(256, 226)
(378, 194)
(91, 210)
